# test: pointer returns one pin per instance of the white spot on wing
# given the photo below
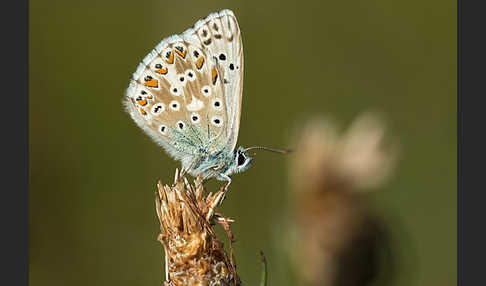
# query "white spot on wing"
(195, 118)
(157, 108)
(163, 129)
(206, 90)
(174, 105)
(217, 121)
(182, 79)
(217, 104)
(195, 104)
(180, 124)
(190, 75)
(175, 90)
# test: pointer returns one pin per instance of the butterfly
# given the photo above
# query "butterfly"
(186, 95)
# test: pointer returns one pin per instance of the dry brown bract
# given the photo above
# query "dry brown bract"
(193, 254)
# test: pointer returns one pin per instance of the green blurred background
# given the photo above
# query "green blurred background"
(93, 172)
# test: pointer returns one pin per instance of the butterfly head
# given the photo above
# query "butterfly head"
(242, 160)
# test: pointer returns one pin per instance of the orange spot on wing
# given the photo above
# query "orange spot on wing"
(151, 83)
(200, 62)
(150, 96)
(142, 102)
(162, 71)
(182, 54)
(214, 75)
(143, 111)
(170, 60)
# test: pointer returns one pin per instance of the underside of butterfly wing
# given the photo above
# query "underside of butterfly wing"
(176, 96)
(186, 93)
(220, 35)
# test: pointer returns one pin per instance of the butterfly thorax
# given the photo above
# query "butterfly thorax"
(219, 164)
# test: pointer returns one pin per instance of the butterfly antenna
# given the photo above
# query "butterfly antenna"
(281, 151)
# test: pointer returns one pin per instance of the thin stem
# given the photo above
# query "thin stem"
(264, 270)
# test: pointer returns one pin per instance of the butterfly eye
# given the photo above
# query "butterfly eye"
(206, 90)
(241, 159)
(163, 129)
(174, 105)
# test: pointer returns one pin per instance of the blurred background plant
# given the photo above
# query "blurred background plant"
(337, 240)
(93, 172)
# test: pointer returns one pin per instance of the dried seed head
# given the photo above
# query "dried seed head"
(193, 254)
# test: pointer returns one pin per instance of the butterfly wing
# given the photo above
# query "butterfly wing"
(176, 97)
(220, 35)
(186, 93)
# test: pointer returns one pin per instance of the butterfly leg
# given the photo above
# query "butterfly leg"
(228, 179)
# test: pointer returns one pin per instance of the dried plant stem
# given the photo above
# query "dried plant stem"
(194, 256)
